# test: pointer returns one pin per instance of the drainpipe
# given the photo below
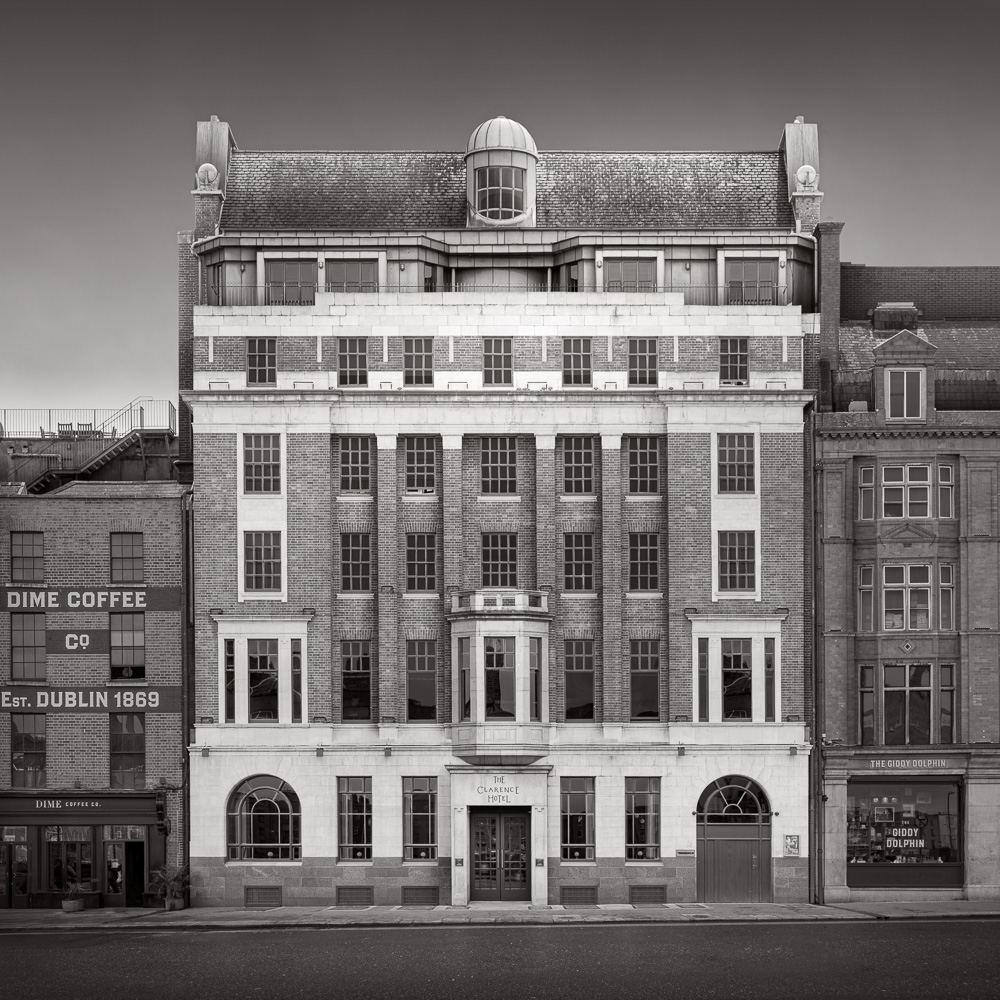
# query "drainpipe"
(817, 813)
(187, 665)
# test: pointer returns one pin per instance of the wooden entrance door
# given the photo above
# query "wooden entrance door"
(501, 854)
(734, 843)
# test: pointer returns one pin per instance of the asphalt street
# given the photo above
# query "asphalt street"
(745, 961)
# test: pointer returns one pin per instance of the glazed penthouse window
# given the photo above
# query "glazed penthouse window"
(291, 282)
(630, 275)
(126, 557)
(261, 463)
(500, 192)
(352, 276)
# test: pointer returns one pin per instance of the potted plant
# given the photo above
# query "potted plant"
(170, 883)
(73, 897)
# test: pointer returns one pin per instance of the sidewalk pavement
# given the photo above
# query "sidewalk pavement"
(479, 914)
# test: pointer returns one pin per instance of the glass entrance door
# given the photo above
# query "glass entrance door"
(13, 875)
(501, 855)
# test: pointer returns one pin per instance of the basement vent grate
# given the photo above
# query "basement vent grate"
(355, 895)
(421, 895)
(649, 894)
(578, 895)
(261, 895)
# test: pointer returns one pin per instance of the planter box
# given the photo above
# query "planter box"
(72, 905)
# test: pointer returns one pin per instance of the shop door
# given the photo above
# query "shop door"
(14, 870)
(501, 855)
(124, 873)
(135, 873)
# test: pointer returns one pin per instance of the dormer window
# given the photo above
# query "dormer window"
(905, 394)
(500, 192)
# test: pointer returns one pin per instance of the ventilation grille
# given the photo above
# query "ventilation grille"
(421, 895)
(639, 894)
(355, 895)
(578, 895)
(261, 895)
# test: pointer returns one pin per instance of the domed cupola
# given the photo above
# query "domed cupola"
(500, 174)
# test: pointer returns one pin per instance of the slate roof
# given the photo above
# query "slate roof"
(81, 490)
(971, 345)
(575, 190)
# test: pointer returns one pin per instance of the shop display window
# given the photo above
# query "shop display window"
(903, 823)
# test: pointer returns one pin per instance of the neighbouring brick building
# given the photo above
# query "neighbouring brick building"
(92, 700)
(908, 614)
(501, 483)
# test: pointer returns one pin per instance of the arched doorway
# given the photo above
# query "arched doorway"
(734, 842)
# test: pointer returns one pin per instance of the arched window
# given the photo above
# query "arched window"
(264, 821)
(734, 799)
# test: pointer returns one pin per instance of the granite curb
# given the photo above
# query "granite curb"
(322, 918)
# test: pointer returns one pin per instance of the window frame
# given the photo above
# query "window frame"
(352, 361)
(643, 361)
(946, 491)
(730, 545)
(866, 599)
(418, 361)
(763, 632)
(498, 464)
(643, 562)
(499, 559)
(578, 361)
(909, 588)
(644, 791)
(578, 561)
(262, 464)
(500, 658)
(262, 361)
(578, 452)
(356, 661)
(909, 488)
(873, 688)
(576, 844)
(421, 660)
(420, 464)
(130, 568)
(866, 493)
(421, 562)
(493, 183)
(734, 361)
(906, 388)
(643, 465)
(498, 361)
(263, 561)
(234, 638)
(356, 562)
(579, 660)
(28, 745)
(128, 750)
(413, 787)
(354, 824)
(355, 463)
(131, 655)
(27, 567)
(736, 464)
(240, 826)
(644, 660)
(37, 660)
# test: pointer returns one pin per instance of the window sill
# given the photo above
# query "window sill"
(577, 498)
(583, 595)
(367, 595)
(263, 861)
(641, 497)
(419, 497)
(421, 595)
(355, 498)
(643, 595)
(498, 498)
(578, 864)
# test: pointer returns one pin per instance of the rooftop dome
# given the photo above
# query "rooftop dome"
(501, 133)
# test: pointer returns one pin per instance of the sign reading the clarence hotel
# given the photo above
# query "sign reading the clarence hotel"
(81, 599)
(108, 698)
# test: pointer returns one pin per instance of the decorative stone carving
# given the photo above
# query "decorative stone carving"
(806, 178)
(207, 178)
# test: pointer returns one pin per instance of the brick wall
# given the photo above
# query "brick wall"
(941, 292)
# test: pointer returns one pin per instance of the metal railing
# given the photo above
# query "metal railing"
(142, 413)
(303, 294)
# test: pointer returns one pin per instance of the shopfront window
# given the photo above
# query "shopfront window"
(903, 823)
(69, 850)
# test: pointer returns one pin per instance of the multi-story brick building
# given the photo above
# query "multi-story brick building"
(92, 660)
(501, 472)
(907, 606)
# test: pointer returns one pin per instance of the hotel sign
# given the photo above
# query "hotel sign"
(108, 698)
(75, 599)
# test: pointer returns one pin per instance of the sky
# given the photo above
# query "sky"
(101, 101)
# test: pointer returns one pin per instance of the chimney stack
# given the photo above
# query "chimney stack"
(800, 143)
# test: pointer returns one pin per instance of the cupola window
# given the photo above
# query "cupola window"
(500, 192)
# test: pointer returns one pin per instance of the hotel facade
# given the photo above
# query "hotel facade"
(503, 573)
